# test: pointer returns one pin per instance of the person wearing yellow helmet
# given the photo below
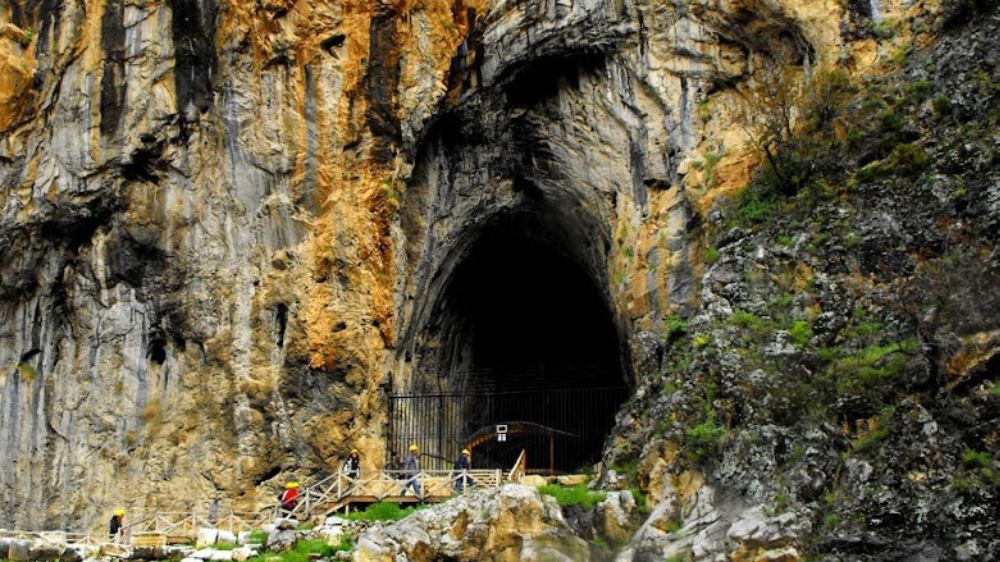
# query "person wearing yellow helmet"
(290, 497)
(463, 465)
(410, 469)
(115, 527)
(352, 468)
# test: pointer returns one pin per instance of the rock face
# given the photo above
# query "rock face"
(510, 523)
(229, 228)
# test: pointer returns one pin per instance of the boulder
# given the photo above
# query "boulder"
(42, 550)
(206, 537)
(18, 550)
(572, 479)
(221, 555)
(243, 553)
(280, 540)
(225, 537)
(285, 524)
(617, 517)
(513, 522)
(203, 554)
(534, 480)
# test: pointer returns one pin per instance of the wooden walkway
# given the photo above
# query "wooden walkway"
(340, 491)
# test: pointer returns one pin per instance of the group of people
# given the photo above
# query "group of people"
(289, 497)
(411, 468)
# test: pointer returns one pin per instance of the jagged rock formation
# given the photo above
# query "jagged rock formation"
(229, 228)
(508, 523)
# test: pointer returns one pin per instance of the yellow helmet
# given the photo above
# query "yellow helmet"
(414, 448)
(355, 452)
(119, 512)
(466, 452)
(291, 485)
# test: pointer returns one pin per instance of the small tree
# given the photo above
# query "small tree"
(790, 118)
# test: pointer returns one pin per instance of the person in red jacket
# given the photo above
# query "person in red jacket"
(290, 497)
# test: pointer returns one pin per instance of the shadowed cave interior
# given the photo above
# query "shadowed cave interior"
(525, 338)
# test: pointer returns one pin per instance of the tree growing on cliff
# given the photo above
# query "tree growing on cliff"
(793, 120)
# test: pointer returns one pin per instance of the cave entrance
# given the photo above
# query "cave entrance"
(521, 336)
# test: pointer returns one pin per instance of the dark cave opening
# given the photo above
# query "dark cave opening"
(532, 317)
(526, 339)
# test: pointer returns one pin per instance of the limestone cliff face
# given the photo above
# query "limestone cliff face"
(228, 227)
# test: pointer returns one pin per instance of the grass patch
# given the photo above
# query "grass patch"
(746, 319)
(257, 536)
(383, 511)
(711, 256)
(573, 495)
(641, 500)
(976, 459)
(306, 550)
(801, 332)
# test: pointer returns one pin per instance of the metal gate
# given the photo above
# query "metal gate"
(561, 429)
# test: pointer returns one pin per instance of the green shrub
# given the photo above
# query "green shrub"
(257, 536)
(919, 90)
(704, 437)
(711, 256)
(831, 520)
(641, 500)
(306, 550)
(942, 105)
(801, 331)
(573, 495)
(382, 511)
(908, 159)
(976, 459)
(675, 326)
(746, 319)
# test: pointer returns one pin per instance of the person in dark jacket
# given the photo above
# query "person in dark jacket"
(411, 469)
(463, 464)
(352, 468)
(115, 526)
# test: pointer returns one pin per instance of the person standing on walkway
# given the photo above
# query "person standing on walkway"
(463, 465)
(411, 469)
(352, 468)
(290, 497)
(115, 527)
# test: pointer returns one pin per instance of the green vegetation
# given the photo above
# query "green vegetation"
(974, 459)
(706, 436)
(700, 340)
(27, 371)
(674, 525)
(306, 550)
(257, 536)
(600, 543)
(746, 319)
(573, 495)
(711, 159)
(383, 511)
(831, 520)
(711, 255)
(641, 500)
(675, 326)
(801, 331)
(872, 365)
(877, 435)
